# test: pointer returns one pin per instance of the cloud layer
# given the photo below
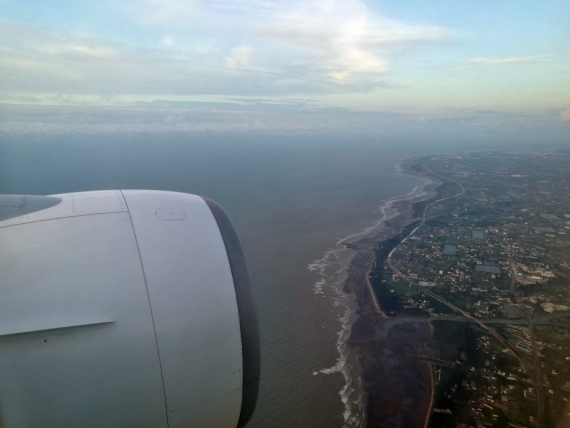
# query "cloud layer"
(515, 60)
(259, 65)
(221, 47)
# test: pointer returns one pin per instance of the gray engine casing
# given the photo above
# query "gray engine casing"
(124, 308)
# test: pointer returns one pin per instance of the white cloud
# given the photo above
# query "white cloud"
(224, 47)
(171, 55)
(323, 40)
(514, 60)
(267, 116)
(161, 12)
(341, 41)
(240, 57)
(168, 40)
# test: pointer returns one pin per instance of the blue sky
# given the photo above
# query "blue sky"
(311, 66)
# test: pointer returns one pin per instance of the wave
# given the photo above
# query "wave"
(332, 270)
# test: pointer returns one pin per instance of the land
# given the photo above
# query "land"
(464, 298)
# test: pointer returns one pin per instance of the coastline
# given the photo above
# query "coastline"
(398, 385)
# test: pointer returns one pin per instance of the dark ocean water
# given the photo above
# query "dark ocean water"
(292, 204)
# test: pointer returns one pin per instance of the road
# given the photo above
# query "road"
(450, 305)
(391, 322)
(536, 366)
(513, 272)
(540, 400)
(377, 309)
(464, 316)
(373, 298)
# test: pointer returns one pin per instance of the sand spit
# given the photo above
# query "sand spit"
(397, 383)
(342, 274)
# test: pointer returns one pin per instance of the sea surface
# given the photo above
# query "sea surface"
(293, 202)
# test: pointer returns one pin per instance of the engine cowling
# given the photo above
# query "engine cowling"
(124, 309)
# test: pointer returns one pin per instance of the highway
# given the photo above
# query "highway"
(536, 364)
(463, 315)
(540, 400)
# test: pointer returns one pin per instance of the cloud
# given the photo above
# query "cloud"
(514, 60)
(340, 42)
(565, 115)
(229, 47)
(232, 117)
(168, 40)
(240, 57)
(234, 64)
(160, 12)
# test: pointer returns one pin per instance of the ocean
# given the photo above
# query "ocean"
(294, 202)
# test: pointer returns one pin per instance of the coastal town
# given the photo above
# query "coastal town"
(486, 264)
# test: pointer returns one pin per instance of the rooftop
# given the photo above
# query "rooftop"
(489, 269)
(550, 217)
(477, 234)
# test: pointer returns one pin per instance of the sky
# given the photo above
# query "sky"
(483, 69)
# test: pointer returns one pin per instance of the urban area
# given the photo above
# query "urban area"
(487, 262)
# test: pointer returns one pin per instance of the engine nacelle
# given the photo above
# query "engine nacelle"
(124, 309)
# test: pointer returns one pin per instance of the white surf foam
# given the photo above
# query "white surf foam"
(332, 270)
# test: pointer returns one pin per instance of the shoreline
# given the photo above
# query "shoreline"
(396, 382)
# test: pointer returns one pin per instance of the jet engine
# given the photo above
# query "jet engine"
(124, 308)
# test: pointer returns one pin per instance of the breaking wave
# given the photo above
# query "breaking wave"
(332, 270)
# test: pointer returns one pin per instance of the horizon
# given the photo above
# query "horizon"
(486, 74)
